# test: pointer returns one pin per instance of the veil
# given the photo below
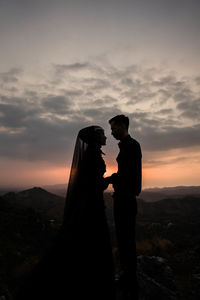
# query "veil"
(86, 136)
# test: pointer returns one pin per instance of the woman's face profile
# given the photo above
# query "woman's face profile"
(102, 137)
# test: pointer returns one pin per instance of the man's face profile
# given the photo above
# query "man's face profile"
(117, 130)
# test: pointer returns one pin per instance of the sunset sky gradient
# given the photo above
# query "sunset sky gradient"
(70, 64)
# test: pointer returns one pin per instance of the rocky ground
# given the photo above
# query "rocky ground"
(168, 242)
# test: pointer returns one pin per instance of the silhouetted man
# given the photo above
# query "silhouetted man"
(127, 185)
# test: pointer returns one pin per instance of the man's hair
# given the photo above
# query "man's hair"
(120, 119)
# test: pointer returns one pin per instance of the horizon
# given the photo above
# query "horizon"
(61, 185)
(66, 65)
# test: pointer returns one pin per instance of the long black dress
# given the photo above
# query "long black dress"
(80, 264)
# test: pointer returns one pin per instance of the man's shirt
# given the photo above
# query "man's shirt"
(129, 175)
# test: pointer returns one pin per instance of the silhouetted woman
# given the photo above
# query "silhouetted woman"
(80, 264)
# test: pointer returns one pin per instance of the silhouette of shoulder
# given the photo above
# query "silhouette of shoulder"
(131, 145)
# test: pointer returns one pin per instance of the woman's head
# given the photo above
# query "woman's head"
(93, 135)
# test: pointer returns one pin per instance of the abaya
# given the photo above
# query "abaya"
(80, 264)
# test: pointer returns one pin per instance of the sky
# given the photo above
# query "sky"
(65, 65)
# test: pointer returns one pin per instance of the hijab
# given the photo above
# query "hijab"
(87, 136)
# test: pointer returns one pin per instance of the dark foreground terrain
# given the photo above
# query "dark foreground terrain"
(168, 240)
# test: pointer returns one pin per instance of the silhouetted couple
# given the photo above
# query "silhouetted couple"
(80, 263)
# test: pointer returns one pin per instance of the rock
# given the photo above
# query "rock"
(4, 292)
(155, 279)
(194, 287)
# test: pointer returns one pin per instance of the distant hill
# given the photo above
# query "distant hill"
(47, 204)
(57, 189)
(174, 201)
(149, 195)
(156, 194)
(179, 209)
(184, 208)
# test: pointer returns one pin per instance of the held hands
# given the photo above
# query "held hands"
(106, 181)
(112, 179)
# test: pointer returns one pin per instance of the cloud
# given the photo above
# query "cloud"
(9, 80)
(42, 119)
(60, 69)
(170, 137)
(40, 139)
(190, 109)
(166, 111)
(96, 83)
(16, 114)
(11, 76)
(106, 100)
(161, 162)
(61, 72)
(72, 93)
(127, 81)
(56, 104)
(183, 94)
(165, 81)
(101, 115)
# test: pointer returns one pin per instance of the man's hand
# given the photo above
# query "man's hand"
(106, 182)
(114, 178)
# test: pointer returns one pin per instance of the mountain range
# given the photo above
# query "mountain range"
(156, 194)
(149, 195)
(49, 205)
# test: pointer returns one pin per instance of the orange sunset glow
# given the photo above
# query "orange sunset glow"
(166, 173)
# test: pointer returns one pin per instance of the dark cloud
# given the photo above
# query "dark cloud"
(60, 69)
(163, 139)
(183, 94)
(165, 81)
(138, 97)
(14, 116)
(96, 83)
(41, 122)
(56, 104)
(9, 80)
(164, 94)
(105, 101)
(127, 81)
(165, 112)
(63, 70)
(72, 93)
(41, 139)
(101, 115)
(10, 76)
(92, 113)
(190, 109)
(62, 73)
(31, 94)
(150, 122)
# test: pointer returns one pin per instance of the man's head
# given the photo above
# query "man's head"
(119, 126)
